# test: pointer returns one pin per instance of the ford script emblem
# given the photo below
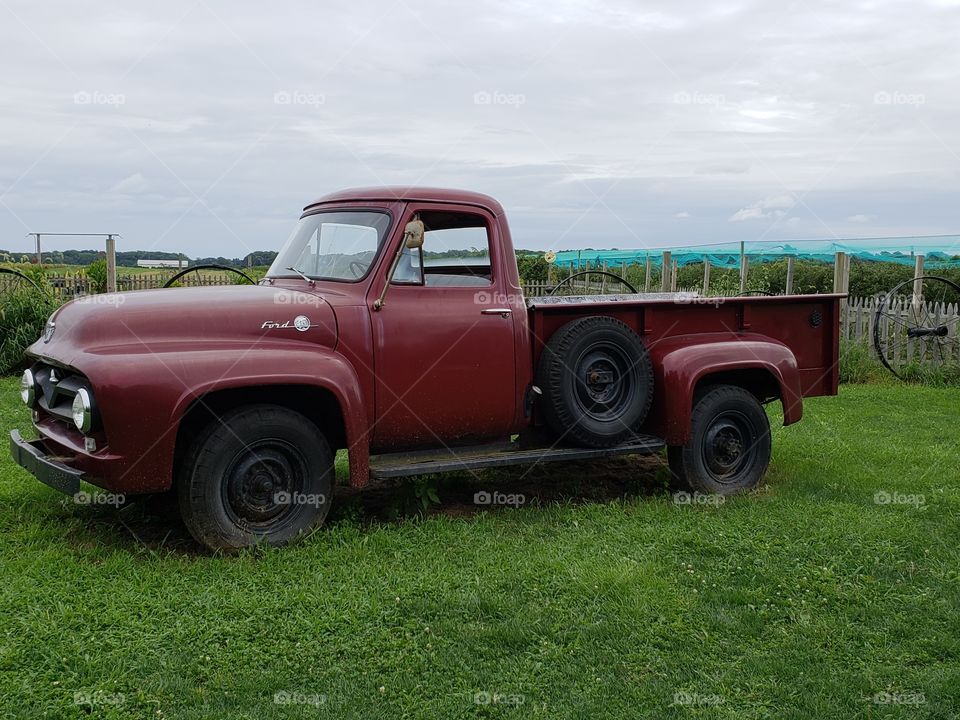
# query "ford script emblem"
(300, 322)
(49, 330)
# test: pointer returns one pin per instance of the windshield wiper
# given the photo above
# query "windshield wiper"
(301, 274)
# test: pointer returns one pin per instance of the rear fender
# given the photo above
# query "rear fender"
(681, 363)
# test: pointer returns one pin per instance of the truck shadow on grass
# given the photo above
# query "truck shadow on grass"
(470, 493)
(154, 523)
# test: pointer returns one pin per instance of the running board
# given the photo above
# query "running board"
(477, 457)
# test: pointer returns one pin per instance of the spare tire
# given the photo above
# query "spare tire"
(597, 382)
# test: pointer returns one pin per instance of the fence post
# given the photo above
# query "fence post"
(841, 273)
(647, 278)
(111, 264)
(743, 266)
(789, 287)
(917, 282)
(665, 272)
(706, 276)
(674, 274)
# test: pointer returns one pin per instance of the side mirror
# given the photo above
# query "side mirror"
(413, 234)
(412, 240)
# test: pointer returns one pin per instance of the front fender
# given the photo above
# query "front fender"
(143, 398)
(681, 362)
(326, 370)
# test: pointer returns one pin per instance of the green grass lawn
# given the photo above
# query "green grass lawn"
(600, 597)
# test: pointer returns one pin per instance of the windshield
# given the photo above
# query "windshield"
(332, 245)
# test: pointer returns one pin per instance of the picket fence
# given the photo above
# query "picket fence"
(858, 318)
(71, 286)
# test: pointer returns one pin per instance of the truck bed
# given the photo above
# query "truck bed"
(711, 332)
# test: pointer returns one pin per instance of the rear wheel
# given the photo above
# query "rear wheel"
(729, 448)
(597, 381)
(260, 474)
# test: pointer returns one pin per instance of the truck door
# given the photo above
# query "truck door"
(444, 363)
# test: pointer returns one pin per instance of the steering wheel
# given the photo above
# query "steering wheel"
(180, 274)
(357, 269)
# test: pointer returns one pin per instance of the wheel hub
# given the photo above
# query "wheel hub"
(604, 383)
(725, 448)
(921, 332)
(261, 482)
(598, 378)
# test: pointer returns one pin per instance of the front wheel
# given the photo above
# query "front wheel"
(729, 448)
(260, 474)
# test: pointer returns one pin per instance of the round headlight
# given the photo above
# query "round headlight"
(28, 388)
(82, 411)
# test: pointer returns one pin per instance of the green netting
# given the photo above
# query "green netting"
(940, 251)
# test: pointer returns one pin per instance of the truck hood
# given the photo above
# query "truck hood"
(186, 319)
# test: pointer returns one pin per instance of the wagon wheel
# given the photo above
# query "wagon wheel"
(912, 331)
(585, 273)
(180, 274)
(17, 273)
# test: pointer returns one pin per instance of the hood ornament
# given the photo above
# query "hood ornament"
(49, 330)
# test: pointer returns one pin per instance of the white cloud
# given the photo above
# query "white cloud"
(751, 213)
(681, 215)
(773, 206)
(860, 218)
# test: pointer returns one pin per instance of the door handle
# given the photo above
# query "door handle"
(502, 312)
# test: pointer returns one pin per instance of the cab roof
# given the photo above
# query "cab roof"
(412, 194)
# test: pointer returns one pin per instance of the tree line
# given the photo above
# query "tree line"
(129, 258)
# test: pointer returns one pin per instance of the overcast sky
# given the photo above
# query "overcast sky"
(205, 127)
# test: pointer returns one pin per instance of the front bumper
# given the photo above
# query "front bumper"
(33, 457)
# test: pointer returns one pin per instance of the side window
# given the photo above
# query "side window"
(456, 250)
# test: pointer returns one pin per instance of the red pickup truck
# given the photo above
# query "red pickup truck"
(393, 325)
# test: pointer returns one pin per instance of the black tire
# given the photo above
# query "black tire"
(597, 382)
(729, 448)
(261, 474)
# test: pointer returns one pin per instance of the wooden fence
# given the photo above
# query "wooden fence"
(858, 318)
(71, 286)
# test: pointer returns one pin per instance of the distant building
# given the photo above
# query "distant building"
(163, 263)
